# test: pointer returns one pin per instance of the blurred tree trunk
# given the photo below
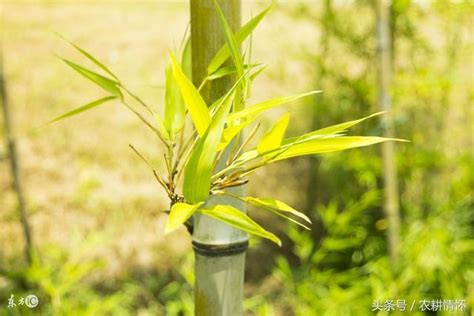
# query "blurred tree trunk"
(391, 202)
(219, 248)
(12, 157)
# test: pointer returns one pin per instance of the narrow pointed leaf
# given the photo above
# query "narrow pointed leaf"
(326, 145)
(186, 59)
(224, 53)
(174, 105)
(104, 82)
(81, 109)
(338, 128)
(266, 105)
(273, 138)
(233, 130)
(180, 213)
(238, 219)
(231, 41)
(192, 99)
(272, 204)
(198, 170)
(229, 70)
(90, 57)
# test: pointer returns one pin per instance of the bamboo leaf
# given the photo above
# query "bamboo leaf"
(82, 108)
(192, 99)
(261, 107)
(186, 59)
(180, 213)
(229, 70)
(89, 56)
(231, 41)
(273, 138)
(326, 145)
(174, 105)
(104, 82)
(233, 130)
(338, 128)
(224, 53)
(198, 170)
(276, 205)
(236, 218)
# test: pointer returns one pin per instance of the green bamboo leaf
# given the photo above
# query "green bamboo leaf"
(338, 128)
(104, 82)
(180, 213)
(236, 218)
(90, 57)
(186, 59)
(326, 145)
(272, 204)
(82, 108)
(174, 105)
(261, 107)
(192, 99)
(198, 170)
(233, 130)
(224, 53)
(231, 41)
(229, 70)
(273, 138)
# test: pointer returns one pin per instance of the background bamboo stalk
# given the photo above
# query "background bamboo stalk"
(219, 279)
(12, 156)
(391, 202)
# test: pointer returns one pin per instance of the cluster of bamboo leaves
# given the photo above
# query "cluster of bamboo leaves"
(191, 158)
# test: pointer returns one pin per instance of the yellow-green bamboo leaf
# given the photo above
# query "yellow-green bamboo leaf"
(268, 203)
(224, 53)
(89, 56)
(174, 105)
(273, 138)
(180, 213)
(103, 82)
(198, 169)
(192, 99)
(263, 106)
(326, 145)
(240, 220)
(82, 108)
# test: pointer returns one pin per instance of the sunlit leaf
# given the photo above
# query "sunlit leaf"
(325, 145)
(338, 128)
(192, 99)
(268, 203)
(233, 130)
(238, 219)
(224, 53)
(83, 108)
(90, 57)
(228, 70)
(104, 82)
(180, 213)
(186, 59)
(231, 41)
(174, 105)
(198, 170)
(273, 138)
(266, 105)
